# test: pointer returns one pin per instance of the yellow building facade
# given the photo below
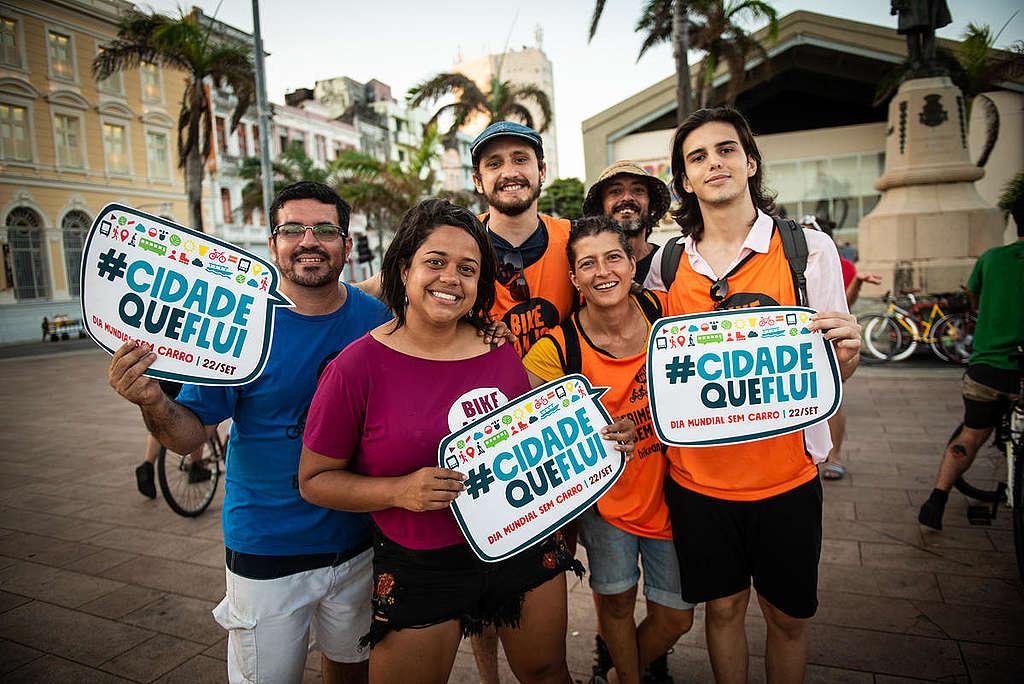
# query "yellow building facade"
(68, 146)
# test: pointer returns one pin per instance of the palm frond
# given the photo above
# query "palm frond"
(598, 10)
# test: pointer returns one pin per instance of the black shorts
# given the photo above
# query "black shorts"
(722, 544)
(419, 588)
(988, 392)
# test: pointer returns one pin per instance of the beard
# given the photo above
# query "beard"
(290, 272)
(513, 207)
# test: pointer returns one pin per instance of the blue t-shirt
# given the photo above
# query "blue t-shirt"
(263, 512)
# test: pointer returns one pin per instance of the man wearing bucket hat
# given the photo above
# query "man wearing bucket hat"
(636, 200)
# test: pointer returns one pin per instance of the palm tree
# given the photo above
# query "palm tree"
(293, 166)
(503, 101)
(181, 43)
(718, 35)
(664, 21)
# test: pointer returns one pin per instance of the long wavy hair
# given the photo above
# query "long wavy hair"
(687, 214)
(416, 225)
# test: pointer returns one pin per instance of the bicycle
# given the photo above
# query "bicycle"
(895, 334)
(1008, 442)
(186, 494)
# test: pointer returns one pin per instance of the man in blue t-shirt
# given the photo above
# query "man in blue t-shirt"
(290, 565)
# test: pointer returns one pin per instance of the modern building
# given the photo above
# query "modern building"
(811, 104)
(528, 66)
(68, 146)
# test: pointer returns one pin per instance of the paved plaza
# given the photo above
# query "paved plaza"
(98, 584)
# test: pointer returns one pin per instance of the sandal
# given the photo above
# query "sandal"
(833, 471)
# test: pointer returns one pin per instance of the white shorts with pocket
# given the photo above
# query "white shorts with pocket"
(273, 624)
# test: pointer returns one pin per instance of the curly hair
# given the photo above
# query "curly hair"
(414, 228)
(687, 214)
(594, 225)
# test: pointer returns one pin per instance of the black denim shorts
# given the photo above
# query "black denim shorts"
(420, 588)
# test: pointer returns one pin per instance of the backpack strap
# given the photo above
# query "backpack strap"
(650, 306)
(794, 245)
(572, 354)
(671, 253)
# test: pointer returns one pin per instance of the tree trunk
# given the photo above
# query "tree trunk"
(680, 50)
(194, 161)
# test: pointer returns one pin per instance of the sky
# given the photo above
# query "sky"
(404, 42)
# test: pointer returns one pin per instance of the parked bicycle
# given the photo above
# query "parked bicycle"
(1007, 446)
(895, 334)
(186, 494)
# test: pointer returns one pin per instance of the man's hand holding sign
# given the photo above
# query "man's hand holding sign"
(740, 375)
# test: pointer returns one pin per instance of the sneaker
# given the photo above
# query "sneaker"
(931, 513)
(657, 671)
(144, 480)
(602, 659)
(197, 473)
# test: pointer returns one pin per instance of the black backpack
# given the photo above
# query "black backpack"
(794, 245)
(650, 306)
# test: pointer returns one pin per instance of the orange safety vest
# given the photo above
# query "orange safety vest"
(636, 502)
(551, 294)
(753, 470)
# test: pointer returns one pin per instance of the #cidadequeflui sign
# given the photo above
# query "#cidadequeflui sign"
(204, 306)
(531, 466)
(740, 375)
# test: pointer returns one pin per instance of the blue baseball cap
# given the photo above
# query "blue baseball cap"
(501, 129)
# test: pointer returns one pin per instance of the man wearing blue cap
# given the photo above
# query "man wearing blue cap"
(533, 288)
(533, 292)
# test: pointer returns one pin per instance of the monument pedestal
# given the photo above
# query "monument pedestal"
(930, 224)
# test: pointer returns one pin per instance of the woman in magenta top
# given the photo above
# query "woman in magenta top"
(382, 407)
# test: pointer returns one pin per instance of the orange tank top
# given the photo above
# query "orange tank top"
(636, 502)
(753, 470)
(551, 294)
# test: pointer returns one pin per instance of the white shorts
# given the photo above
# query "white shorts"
(268, 621)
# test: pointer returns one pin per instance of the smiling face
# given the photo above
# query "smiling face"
(306, 261)
(716, 167)
(509, 175)
(441, 277)
(601, 269)
(626, 200)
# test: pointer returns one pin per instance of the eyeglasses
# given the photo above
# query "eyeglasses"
(324, 232)
(719, 290)
(518, 287)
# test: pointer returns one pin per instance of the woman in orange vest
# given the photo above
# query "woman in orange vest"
(606, 341)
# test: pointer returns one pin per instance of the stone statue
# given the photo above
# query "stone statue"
(918, 20)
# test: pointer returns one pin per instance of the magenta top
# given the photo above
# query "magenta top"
(387, 412)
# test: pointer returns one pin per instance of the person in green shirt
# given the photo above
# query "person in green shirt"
(992, 379)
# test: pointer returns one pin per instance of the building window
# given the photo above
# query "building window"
(321, 148)
(25, 239)
(156, 155)
(225, 204)
(115, 146)
(839, 188)
(14, 140)
(113, 83)
(75, 225)
(10, 52)
(151, 90)
(282, 136)
(59, 48)
(222, 135)
(69, 140)
(256, 140)
(243, 142)
(300, 138)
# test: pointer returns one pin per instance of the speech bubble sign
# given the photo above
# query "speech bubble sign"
(532, 466)
(735, 376)
(204, 306)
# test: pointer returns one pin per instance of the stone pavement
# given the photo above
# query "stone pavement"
(98, 584)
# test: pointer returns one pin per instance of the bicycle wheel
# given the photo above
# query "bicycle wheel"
(1015, 462)
(882, 338)
(953, 338)
(187, 494)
